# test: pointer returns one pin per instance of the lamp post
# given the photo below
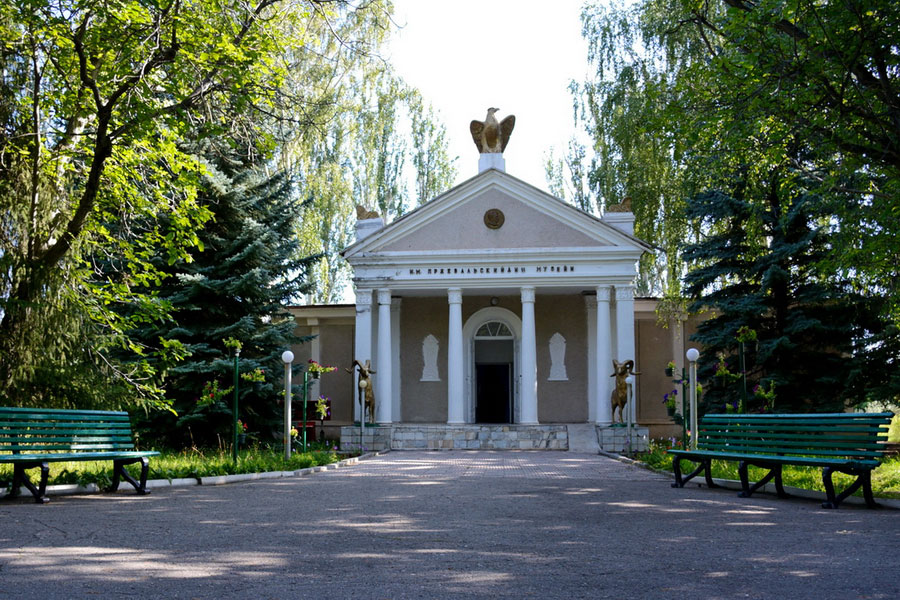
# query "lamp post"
(692, 355)
(305, 400)
(629, 395)
(288, 357)
(234, 407)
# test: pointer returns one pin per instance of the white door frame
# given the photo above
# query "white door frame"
(471, 326)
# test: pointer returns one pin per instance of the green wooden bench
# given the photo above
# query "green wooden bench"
(34, 437)
(851, 443)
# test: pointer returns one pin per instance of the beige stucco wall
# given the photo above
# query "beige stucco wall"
(336, 349)
(653, 344)
(463, 228)
(562, 401)
(335, 340)
(423, 401)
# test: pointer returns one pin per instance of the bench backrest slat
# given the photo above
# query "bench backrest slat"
(34, 430)
(851, 435)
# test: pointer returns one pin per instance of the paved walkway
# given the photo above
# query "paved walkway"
(448, 525)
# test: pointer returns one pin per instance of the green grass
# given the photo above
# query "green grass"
(885, 479)
(894, 431)
(184, 464)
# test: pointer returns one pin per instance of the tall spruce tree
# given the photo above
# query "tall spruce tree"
(236, 288)
(758, 270)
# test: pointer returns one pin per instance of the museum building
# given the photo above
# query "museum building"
(490, 317)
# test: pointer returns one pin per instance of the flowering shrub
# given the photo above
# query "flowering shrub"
(745, 334)
(766, 396)
(256, 375)
(323, 408)
(723, 371)
(669, 398)
(211, 393)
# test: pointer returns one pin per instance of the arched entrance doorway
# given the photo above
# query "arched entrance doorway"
(492, 366)
(494, 354)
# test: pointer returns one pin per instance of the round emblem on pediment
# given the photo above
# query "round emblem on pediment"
(494, 218)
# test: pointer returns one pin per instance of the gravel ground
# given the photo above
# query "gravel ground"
(448, 525)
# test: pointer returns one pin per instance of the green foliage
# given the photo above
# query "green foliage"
(753, 112)
(383, 149)
(97, 182)
(894, 431)
(184, 465)
(231, 297)
(635, 151)
(799, 329)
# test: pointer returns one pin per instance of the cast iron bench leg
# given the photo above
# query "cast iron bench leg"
(704, 465)
(863, 478)
(20, 478)
(120, 472)
(774, 472)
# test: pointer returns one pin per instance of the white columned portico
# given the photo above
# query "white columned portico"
(528, 393)
(383, 375)
(625, 331)
(455, 395)
(604, 356)
(362, 340)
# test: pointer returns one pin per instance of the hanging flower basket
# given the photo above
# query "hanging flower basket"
(316, 370)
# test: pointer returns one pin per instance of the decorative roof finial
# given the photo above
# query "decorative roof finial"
(491, 136)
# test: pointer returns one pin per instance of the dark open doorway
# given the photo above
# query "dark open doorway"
(494, 359)
(493, 403)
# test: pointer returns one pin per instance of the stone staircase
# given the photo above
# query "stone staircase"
(583, 438)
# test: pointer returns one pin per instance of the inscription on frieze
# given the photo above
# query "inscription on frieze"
(504, 270)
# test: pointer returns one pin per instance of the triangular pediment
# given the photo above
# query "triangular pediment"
(493, 212)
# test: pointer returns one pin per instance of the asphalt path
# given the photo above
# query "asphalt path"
(501, 524)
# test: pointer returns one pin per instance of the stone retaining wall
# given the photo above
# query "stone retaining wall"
(458, 437)
(616, 439)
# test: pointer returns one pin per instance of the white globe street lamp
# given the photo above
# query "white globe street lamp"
(693, 355)
(288, 357)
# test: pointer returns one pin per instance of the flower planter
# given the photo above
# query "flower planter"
(670, 410)
(670, 372)
(242, 439)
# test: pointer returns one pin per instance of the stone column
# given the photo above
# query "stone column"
(395, 360)
(383, 376)
(590, 305)
(315, 353)
(528, 392)
(455, 375)
(362, 341)
(625, 334)
(604, 356)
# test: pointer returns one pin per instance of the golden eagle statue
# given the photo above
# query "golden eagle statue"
(491, 136)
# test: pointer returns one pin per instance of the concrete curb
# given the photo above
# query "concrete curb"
(68, 489)
(226, 479)
(769, 488)
(93, 488)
